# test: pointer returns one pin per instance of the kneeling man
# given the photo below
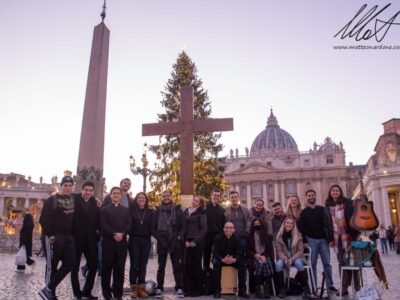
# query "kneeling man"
(227, 252)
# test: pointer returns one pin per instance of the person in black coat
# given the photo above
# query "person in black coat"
(196, 229)
(25, 239)
(259, 257)
(139, 244)
(228, 252)
(85, 230)
(215, 223)
(169, 227)
(115, 224)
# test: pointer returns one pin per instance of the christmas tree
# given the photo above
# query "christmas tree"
(166, 174)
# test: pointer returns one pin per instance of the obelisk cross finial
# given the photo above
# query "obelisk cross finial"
(103, 13)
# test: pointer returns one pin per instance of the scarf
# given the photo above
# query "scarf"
(166, 217)
(287, 239)
(339, 226)
(257, 243)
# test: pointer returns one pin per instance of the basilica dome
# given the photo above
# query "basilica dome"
(273, 139)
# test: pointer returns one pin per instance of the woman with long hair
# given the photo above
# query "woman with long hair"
(290, 253)
(293, 207)
(139, 244)
(340, 233)
(259, 255)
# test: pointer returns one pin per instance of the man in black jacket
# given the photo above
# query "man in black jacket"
(115, 224)
(215, 224)
(169, 227)
(86, 234)
(227, 252)
(56, 220)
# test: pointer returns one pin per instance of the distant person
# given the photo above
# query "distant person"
(169, 227)
(56, 220)
(115, 225)
(312, 224)
(25, 239)
(396, 233)
(390, 237)
(196, 229)
(139, 244)
(86, 235)
(228, 252)
(383, 239)
(277, 218)
(215, 224)
(374, 237)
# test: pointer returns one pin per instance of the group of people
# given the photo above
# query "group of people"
(258, 243)
(385, 236)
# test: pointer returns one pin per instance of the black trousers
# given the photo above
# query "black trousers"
(239, 265)
(62, 249)
(114, 258)
(208, 246)
(193, 267)
(139, 251)
(89, 249)
(162, 261)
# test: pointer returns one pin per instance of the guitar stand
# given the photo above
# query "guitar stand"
(319, 292)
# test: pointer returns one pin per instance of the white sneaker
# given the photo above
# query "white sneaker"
(179, 293)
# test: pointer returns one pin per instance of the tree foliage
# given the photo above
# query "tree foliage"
(206, 146)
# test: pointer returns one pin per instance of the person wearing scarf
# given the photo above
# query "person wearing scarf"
(259, 255)
(290, 253)
(196, 229)
(168, 227)
(340, 234)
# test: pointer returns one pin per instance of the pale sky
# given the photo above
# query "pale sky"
(251, 55)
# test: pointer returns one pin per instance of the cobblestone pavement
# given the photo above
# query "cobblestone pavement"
(25, 286)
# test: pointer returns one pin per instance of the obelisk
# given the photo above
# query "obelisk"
(91, 148)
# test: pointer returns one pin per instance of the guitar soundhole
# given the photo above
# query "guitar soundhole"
(364, 207)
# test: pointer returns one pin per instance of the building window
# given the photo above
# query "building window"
(256, 190)
(288, 162)
(241, 165)
(306, 162)
(269, 164)
(329, 159)
(290, 188)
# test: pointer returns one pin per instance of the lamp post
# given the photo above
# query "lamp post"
(144, 171)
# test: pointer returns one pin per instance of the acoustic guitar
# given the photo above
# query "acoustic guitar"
(364, 217)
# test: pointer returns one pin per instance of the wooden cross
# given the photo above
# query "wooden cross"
(186, 127)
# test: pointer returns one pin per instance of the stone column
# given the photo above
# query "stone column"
(386, 219)
(276, 191)
(318, 190)
(283, 195)
(2, 204)
(248, 195)
(14, 202)
(299, 192)
(26, 202)
(265, 195)
(378, 204)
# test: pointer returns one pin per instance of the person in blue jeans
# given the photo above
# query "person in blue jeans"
(312, 226)
(383, 239)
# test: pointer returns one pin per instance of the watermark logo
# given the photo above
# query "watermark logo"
(367, 24)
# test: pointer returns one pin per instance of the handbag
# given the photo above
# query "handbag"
(20, 259)
(263, 268)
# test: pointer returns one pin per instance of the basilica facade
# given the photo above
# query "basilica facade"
(274, 168)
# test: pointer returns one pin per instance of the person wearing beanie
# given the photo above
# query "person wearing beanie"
(56, 221)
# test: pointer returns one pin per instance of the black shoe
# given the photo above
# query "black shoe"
(243, 295)
(217, 295)
(46, 294)
(195, 294)
(344, 293)
(332, 289)
(282, 293)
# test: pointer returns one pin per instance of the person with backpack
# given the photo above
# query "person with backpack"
(56, 220)
(390, 238)
(25, 239)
